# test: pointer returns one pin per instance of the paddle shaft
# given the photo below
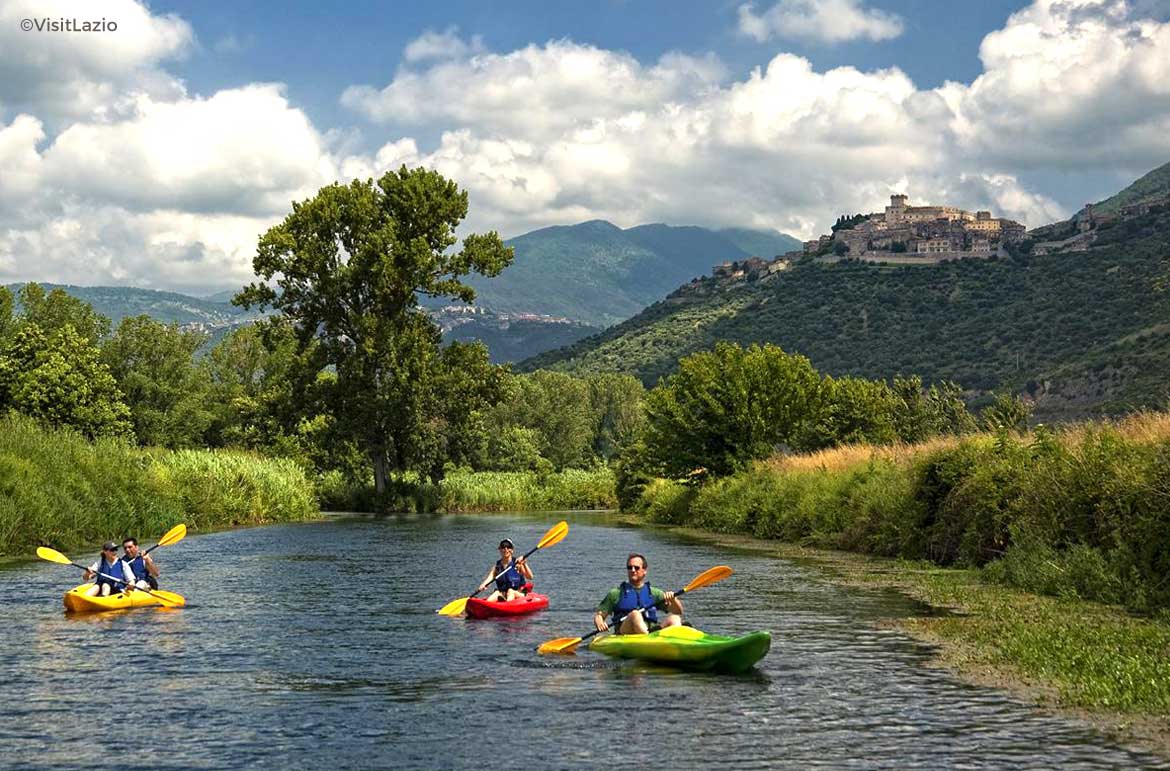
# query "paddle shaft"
(124, 582)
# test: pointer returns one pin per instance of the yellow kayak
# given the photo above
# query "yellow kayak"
(77, 601)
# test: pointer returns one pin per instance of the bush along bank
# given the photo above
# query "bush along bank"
(528, 490)
(61, 489)
(1079, 514)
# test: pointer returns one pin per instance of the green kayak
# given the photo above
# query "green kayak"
(688, 648)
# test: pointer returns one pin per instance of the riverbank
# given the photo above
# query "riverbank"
(59, 489)
(1090, 661)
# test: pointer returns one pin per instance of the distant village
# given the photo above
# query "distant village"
(926, 235)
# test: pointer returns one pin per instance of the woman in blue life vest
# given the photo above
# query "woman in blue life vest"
(634, 604)
(145, 571)
(112, 574)
(509, 574)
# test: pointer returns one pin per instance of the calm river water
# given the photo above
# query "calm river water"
(317, 646)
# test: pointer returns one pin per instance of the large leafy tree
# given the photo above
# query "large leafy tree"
(726, 407)
(349, 266)
(60, 378)
(166, 392)
(56, 309)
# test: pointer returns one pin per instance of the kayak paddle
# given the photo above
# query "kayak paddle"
(171, 537)
(554, 536)
(168, 599)
(569, 644)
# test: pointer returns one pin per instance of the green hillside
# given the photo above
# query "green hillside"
(1156, 184)
(1082, 332)
(761, 243)
(118, 302)
(599, 274)
(519, 340)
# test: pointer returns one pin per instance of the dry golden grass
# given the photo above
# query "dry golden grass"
(848, 456)
(1140, 428)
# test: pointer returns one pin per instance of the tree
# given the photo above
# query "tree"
(349, 264)
(616, 401)
(166, 392)
(52, 312)
(727, 407)
(1007, 413)
(59, 378)
(855, 410)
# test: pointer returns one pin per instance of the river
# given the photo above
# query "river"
(316, 645)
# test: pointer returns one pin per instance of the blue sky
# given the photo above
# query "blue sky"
(156, 154)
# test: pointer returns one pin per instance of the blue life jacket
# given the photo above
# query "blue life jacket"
(138, 565)
(510, 578)
(113, 569)
(630, 599)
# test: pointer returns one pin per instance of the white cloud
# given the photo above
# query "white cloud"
(823, 21)
(442, 45)
(61, 73)
(244, 151)
(556, 85)
(154, 186)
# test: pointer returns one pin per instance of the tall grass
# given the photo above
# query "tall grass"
(60, 489)
(528, 491)
(1080, 511)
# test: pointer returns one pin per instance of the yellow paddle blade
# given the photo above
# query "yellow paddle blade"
(52, 555)
(174, 535)
(454, 607)
(707, 577)
(560, 645)
(555, 535)
(169, 598)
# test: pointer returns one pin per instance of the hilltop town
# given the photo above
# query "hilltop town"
(926, 235)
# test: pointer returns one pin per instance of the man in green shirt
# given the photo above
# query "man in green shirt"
(634, 603)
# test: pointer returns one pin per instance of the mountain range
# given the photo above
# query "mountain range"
(1081, 332)
(599, 274)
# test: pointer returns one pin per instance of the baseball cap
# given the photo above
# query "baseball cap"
(109, 546)
(507, 542)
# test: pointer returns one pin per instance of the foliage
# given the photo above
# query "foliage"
(350, 264)
(725, 407)
(166, 392)
(518, 491)
(54, 311)
(1082, 511)
(58, 377)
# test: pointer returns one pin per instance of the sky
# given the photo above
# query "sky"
(155, 148)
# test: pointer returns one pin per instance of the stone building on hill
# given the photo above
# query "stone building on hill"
(903, 231)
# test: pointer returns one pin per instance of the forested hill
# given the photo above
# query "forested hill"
(597, 273)
(1082, 332)
(118, 302)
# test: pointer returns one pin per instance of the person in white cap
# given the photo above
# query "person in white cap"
(113, 575)
(510, 575)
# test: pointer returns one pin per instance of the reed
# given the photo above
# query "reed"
(58, 488)
(528, 491)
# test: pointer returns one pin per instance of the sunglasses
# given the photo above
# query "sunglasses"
(635, 567)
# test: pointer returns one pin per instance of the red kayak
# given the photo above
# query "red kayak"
(529, 603)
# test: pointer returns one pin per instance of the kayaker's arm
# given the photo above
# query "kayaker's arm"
(151, 568)
(599, 621)
(672, 604)
(523, 568)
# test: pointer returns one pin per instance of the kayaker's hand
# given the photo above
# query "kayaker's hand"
(519, 560)
(599, 622)
(668, 597)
